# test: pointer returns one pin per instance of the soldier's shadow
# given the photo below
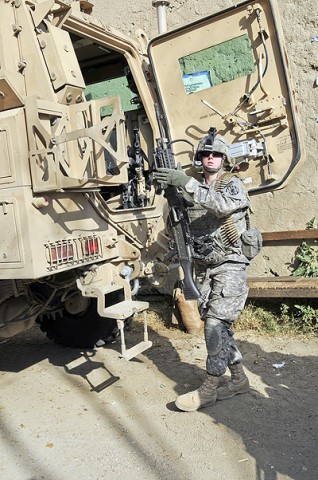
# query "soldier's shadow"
(277, 420)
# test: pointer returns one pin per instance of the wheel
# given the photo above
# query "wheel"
(79, 330)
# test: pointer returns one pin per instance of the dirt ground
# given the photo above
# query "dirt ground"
(57, 424)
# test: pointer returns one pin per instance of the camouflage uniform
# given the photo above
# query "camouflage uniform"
(224, 289)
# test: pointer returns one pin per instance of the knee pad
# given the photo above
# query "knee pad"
(215, 334)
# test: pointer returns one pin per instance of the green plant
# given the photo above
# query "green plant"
(258, 319)
(286, 317)
(282, 318)
(312, 224)
(307, 257)
(307, 318)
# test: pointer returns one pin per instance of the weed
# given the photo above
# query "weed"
(307, 319)
(280, 318)
(307, 257)
(311, 224)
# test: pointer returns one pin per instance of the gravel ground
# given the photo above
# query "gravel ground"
(68, 414)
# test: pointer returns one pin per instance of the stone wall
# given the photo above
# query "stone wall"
(296, 204)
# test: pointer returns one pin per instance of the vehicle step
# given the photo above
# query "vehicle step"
(140, 347)
(124, 309)
(136, 350)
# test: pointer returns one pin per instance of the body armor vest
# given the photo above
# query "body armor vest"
(215, 239)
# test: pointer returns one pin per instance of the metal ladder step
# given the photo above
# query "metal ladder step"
(121, 311)
(125, 309)
(132, 352)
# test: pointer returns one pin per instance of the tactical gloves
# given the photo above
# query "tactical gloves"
(177, 178)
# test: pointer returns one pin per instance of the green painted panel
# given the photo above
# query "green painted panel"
(217, 64)
(108, 88)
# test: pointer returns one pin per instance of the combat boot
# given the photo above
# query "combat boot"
(204, 396)
(238, 384)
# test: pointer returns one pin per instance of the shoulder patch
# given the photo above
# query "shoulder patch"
(232, 189)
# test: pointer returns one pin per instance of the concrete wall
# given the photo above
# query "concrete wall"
(296, 204)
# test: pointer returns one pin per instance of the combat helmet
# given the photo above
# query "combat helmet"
(213, 142)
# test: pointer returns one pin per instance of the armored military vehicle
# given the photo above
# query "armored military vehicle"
(86, 113)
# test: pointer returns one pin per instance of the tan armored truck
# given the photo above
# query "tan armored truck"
(85, 115)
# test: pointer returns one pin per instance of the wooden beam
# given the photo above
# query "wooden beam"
(283, 287)
(290, 235)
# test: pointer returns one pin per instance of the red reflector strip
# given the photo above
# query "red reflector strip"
(61, 253)
(91, 246)
(75, 250)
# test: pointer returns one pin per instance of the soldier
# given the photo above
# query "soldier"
(217, 220)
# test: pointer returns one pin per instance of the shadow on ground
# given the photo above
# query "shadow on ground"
(277, 425)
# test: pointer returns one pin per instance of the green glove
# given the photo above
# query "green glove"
(177, 178)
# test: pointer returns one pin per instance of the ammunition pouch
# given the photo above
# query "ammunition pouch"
(252, 243)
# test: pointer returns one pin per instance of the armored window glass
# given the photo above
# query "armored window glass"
(107, 88)
(217, 64)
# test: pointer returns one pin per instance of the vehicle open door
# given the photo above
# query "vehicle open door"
(230, 71)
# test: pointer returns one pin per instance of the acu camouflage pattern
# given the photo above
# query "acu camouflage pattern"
(224, 292)
(224, 288)
(207, 217)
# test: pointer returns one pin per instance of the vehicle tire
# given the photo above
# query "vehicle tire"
(81, 330)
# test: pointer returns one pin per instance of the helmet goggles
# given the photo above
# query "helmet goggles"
(207, 153)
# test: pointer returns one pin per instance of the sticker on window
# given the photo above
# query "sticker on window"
(194, 82)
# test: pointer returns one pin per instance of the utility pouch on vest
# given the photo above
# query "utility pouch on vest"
(252, 242)
(202, 247)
